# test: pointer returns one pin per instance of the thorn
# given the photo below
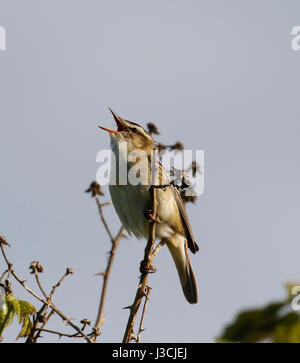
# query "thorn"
(128, 307)
(101, 274)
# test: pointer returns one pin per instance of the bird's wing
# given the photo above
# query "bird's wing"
(188, 229)
(187, 226)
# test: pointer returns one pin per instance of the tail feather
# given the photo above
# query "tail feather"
(178, 248)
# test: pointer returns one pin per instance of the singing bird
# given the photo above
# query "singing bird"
(132, 200)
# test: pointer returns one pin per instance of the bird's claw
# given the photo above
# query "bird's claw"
(146, 267)
(149, 215)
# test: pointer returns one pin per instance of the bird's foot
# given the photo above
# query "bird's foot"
(146, 267)
(149, 215)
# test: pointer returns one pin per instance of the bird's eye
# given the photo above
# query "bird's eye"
(134, 130)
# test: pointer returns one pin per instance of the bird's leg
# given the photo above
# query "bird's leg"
(148, 213)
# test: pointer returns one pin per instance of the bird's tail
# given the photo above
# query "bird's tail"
(178, 248)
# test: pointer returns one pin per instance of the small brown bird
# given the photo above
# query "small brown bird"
(132, 200)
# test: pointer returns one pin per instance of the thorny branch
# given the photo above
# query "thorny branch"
(47, 301)
(96, 191)
(41, 316)
(146, 267)
(141, 327)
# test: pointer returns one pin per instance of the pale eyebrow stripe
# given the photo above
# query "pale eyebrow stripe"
(133, 123)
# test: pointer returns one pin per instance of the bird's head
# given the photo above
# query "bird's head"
(136, 137)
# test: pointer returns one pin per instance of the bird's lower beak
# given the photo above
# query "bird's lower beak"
(108, 130)
(118, 122)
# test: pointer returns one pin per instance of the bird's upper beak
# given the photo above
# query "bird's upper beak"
(119, 123)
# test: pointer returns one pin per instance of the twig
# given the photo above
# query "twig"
(37, 319)
(146, 268)
(68, 272)
(65, 318)
(59, 333)
(106, 274)
(45, 321)
(103, 219)
(157, 249)
(106, 203)
(37, 277)
(40, 316)
(141, 329)
(45, 302)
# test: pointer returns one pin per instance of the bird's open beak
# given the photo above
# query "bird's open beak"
(118, 122)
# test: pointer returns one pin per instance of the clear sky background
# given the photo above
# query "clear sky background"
(219, 76)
